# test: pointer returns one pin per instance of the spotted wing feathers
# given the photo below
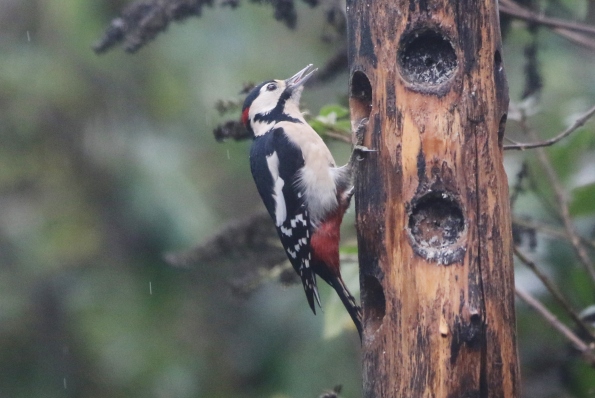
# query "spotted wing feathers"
(275, 164)
(295, 237)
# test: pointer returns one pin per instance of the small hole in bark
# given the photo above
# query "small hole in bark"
(426, 57)
(436, 223)
(502, 129)
(498, 60)
(374, 303)
(360, 99)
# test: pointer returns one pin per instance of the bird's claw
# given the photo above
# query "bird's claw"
(360, 130)
(361, 150)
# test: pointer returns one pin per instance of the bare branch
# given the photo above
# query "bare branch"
(578, 38)
(251, 241)
(565, 214)
(578, 123)
(549, 230)
(338, 136)
(514, 10)
(233, 129)
(550, 318)
(141, 21)
(561, 199)
(555, 292)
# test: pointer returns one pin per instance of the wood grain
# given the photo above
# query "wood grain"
(433, 214)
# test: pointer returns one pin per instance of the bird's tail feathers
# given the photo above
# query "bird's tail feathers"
(349, 302)
(309, 282)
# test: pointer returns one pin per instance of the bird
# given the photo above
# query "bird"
(303, 190)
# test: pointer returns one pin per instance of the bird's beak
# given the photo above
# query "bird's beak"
(300, 78)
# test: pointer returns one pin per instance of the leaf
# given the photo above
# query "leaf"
(318, 126)
(338, 110)
(583, 200)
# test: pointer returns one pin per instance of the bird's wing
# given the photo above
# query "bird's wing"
(275, 157)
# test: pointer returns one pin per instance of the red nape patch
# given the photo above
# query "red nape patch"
(245, 116)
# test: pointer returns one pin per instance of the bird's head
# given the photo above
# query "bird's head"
(273, 101)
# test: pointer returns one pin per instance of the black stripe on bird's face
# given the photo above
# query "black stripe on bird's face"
(278, 114)
(265, 106)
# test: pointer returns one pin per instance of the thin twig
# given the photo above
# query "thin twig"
(580, 345)
(555, 292)
(511, 140)
(577, 123)
(582, 39)
(517, 11)
(576, 37)
(549, 230)
(336, 135)
(562, 202)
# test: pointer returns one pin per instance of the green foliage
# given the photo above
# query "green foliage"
(332, 119)
(583, 200)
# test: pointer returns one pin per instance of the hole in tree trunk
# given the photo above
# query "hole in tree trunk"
(502, 129)
(498, 61)
(360, 98)
(436, 223)
(426, 58)
(374, 303)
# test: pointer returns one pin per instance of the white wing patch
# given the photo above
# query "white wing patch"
(291, 253)
(297, 218)
(280, 208)
(286, 231)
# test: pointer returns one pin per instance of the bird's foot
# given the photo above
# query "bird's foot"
(358, 148)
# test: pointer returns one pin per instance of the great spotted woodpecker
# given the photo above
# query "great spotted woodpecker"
(304, 191)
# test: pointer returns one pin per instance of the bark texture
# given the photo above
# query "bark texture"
(432, 203)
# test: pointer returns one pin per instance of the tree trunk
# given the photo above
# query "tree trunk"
(432, 204)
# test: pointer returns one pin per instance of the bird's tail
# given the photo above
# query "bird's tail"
(351, 306)
(309, 282)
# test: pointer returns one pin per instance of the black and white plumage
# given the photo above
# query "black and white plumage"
(304, 191)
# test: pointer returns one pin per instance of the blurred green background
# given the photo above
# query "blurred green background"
(108, 162)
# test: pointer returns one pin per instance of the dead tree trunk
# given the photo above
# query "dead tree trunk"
(432, 203)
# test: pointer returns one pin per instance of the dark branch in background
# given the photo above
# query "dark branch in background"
(252, 247)
(519, 184)
(533, 79)
(142, 21)
(231, 129)
(520, 231)
(252, 238)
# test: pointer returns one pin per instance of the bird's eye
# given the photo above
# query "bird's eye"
(271, 87)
